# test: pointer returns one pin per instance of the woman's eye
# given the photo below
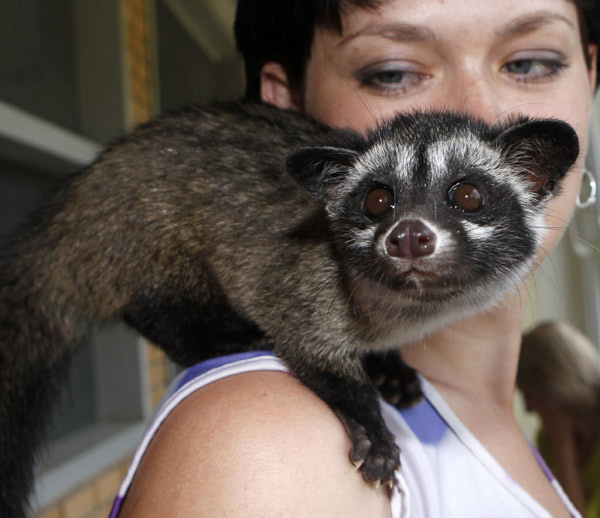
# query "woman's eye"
(390, 79)
(534, 69)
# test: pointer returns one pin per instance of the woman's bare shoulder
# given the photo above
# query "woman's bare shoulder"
(255, 444)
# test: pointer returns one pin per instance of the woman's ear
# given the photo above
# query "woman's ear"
(275, 87)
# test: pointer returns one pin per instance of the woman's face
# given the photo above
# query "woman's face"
(489, 58)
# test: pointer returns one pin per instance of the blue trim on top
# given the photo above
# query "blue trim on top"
(200, 368)
(425, 422)
(540, 460)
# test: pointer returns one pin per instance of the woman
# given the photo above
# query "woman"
(259, 443)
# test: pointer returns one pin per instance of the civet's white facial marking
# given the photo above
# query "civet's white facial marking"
(479, 232)
(467, 150)
(396, 160)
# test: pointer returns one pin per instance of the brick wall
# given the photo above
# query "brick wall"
(94, 498)
(137, 21)
(158, 375)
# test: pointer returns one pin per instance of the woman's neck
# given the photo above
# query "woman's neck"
(474, 359)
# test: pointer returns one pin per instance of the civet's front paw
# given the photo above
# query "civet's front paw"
(373, 451)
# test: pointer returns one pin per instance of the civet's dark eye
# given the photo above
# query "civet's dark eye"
(378, 202)
(466, 197)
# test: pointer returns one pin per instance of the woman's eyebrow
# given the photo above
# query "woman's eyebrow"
(393, 31)
(409, 32)
(531, 22)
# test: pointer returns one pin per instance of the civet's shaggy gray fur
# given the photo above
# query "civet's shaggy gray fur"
(195, 232)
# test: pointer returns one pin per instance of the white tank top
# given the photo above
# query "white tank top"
(446, 472)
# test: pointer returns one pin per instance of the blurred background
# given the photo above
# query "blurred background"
(75, 74)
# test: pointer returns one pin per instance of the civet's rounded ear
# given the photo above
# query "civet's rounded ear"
(543, 149)
(318, 169)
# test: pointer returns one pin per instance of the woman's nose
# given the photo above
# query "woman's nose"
(474, 96)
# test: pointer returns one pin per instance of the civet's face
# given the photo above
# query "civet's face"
(437, 211)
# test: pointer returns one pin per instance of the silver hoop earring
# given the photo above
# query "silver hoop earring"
(591, 199)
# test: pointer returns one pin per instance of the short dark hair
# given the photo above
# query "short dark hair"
(283, 30)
